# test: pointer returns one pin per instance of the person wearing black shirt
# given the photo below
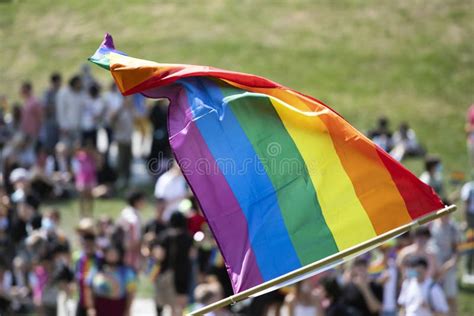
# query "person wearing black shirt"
(361, 295)
(331, 291)
(176, 266)
(156, 224)
(160, 148)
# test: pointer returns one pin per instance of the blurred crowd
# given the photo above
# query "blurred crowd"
(75, 142)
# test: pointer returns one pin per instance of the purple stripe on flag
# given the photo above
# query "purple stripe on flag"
(221, 208)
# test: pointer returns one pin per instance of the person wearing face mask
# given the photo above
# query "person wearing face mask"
(420, 295)
(111, 286)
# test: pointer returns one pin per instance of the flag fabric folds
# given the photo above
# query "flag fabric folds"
(282, 179)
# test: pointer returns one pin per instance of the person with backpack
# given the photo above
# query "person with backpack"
(420, 295)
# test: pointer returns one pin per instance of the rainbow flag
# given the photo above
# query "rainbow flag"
(282, 179)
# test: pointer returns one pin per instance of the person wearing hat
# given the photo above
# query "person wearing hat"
(87, 260)
(19, 178)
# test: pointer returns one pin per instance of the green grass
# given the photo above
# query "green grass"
(409, 60)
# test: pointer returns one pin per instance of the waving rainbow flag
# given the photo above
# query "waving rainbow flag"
(282, 179)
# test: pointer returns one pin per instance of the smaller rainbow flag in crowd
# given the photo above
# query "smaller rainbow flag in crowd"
(282, 179)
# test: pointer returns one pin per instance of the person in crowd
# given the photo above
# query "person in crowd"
(153, 254)
(105, 229)
(4, 105)
(419, 247)
(381, 134)
(86, 76)
(14, 122)
(111, 286)
(5, 136)
(27, 219)
(359, 293)
(141, 121)
(174, 280)
(433, 174)
(157, 225)
(470, 135)
(61, 171)
(160, 151)
(32, 112)
(172, 187)
(69, 106)
(122, 120)
(389, 279)
(113, 101)
(50, 276)
(405, 143)
(5, 288)
(41, 176)
(51, 227)
(467, 197)
(20, 153)
(445, 237)
(91, 115)
(87, 260)
(268, 303)
(208, 293)
(21, 291)
(303, 301)
(130, 222)
(329, 292)
(49, 135)
(7, 247)
(195, 218)
(85, 164)
(420, 295)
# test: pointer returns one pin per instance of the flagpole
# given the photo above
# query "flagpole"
(324, 262)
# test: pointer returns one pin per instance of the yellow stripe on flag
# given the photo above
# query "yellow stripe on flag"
(343, 211)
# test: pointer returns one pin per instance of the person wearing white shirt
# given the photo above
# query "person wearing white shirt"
(91, 114)
(420, 295)
(171, 186)
(69, 106)
(122, 123)
(130, 221)
(113, 100)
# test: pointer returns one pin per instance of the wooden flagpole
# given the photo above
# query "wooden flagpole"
(324, 262)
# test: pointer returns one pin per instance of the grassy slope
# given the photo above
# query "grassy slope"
(409, 60)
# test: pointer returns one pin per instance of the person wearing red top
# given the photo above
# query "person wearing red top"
(195, 219)
(32, 112)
